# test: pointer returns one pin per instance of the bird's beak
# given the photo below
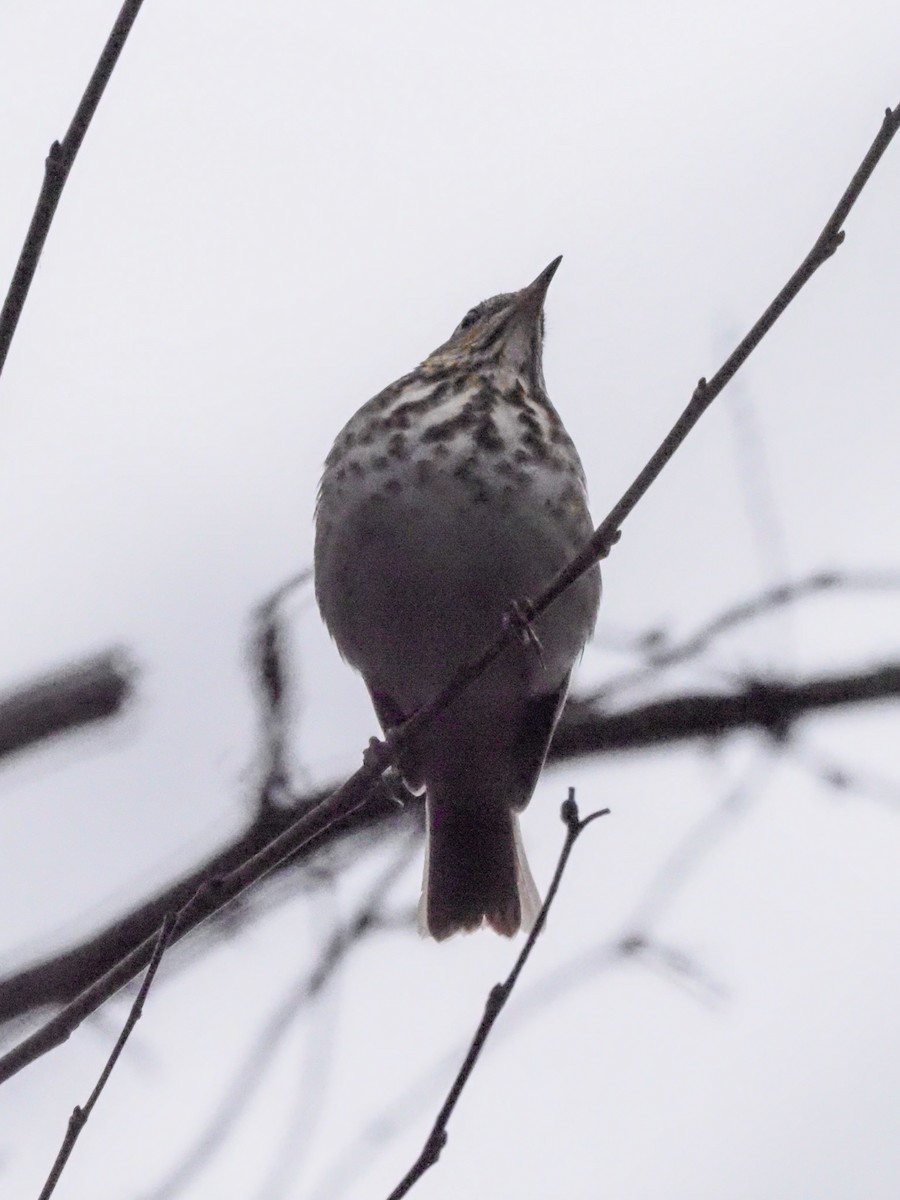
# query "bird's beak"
(531, 298)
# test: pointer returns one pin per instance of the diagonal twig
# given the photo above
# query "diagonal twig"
(496, 1002)
(56, 171)
(353, 794)
(662, 652)
(80, 1115)
(267, 1044)
(773, 706)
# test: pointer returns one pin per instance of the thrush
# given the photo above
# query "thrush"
(447, 498)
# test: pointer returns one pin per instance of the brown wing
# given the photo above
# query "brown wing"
(532, 739)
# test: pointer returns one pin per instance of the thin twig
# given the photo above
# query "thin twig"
(755, 482)
(79, 1116)
(269, 662)
(634, 943)
(682, 863)
(495, 1004)
(608, 531)
(56, 172)
(844, 779)
(659, 652)
(354, 793)
(268, 1043)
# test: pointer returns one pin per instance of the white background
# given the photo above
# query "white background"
(278, 209)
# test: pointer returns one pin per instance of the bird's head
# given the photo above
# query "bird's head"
(506, 330)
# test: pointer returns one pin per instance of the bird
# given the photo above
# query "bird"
(446, 500)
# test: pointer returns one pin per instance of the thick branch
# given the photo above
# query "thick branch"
(89, 691)
(584, 730)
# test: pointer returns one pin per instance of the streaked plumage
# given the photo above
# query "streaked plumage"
(448, 496)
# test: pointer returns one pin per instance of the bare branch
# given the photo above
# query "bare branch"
(584, 730)
(496, 1001)
(658, 651)
(66, 975)
(771, 705)
(268, 1042)
(825, 245)
(696, 845)
(271, 675)
(69, 698)
(215, 893)
(79, 1117)
(755, 483)
(56, 172)
(634, 944)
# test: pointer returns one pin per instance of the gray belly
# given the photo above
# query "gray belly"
(413, 580)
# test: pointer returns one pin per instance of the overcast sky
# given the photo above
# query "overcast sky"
(279, 209)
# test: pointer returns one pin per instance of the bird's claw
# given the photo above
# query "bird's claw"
(378, 754)
(395, 786)
(520, 615)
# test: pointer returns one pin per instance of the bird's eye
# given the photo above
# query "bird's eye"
(469, 319)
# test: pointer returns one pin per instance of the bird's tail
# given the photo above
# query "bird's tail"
(475, 870)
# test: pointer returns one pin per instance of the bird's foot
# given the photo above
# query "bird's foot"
(381, 755)
(378, 755)
(520, 616)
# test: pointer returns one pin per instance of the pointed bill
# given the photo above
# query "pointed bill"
(531, 298)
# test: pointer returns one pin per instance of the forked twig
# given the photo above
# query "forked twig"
(496, 1001)
(662, 652)
(354, 793)
(80, 1115)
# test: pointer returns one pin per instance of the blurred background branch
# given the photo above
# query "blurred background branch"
(588, 728)
(65, 700)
